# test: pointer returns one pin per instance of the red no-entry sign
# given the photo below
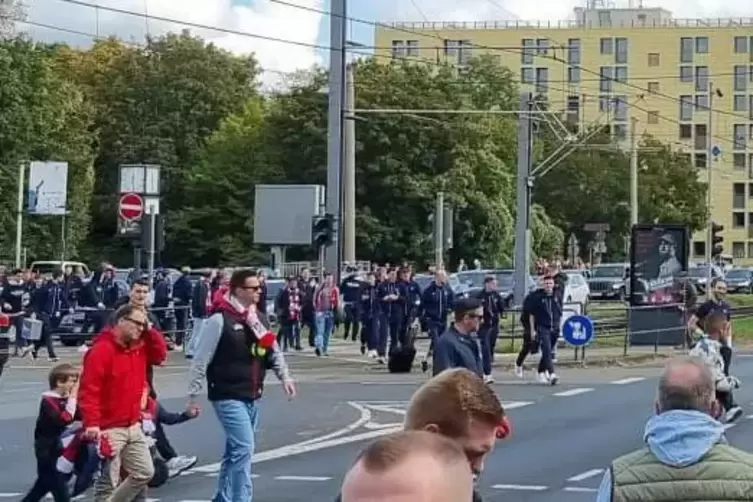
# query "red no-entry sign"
(131, 206)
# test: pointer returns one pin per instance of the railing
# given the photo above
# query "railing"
(572, 24)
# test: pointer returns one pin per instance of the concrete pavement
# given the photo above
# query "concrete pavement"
(563, 436)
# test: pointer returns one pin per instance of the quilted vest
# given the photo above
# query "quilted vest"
(724, 473)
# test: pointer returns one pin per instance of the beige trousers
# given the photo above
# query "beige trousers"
(131, 453)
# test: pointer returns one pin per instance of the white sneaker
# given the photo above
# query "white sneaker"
(179, 348)
(372, 354)
(519, 371)
(179, 464)
(488, 379)
(543, 378)
(553, 379)
(733, 414)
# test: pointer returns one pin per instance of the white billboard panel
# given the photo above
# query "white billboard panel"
(48, 188)
(283, 214)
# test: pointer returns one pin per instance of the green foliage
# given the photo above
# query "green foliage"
(42, 117)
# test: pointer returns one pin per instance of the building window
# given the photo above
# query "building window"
(605, 104)
(542, 80)
(573, 109)
(686, 74)
(573, 51)
(686, 107)
(653, 87)
(741, 45)
(621, 50)
(411, 47)
(700, 160)
(605, 81)
(701, 102)
(526, 75)
(750, 107)
(738, 219)
(606, 45)
(686, 131)
(620, 108)
(542, 46)
(699, 248)
(605, 18)
(738, 161)
(750, 245)
(526, 55)
(750, 165)
(654, 59)
(686, 50)
(465, 51)
(573, 74)
(621, 74)
(750, 196)
(398, 49)
(738, 250)
(451, 48)
(701, 141)
(653, 117)
(740, 102)
(702, 45)
(620, 132)
(740, 133)
(741, 77)
(702, 78)
(738, 196)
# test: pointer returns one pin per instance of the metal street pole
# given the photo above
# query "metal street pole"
(349, 171)
(439, 231)
(337, 24)
(709, 200)
(523, 191)
(633, 172)
(151, 251)
(20, 213)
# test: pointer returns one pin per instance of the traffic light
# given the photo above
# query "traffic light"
(716, 240)
(323, 230)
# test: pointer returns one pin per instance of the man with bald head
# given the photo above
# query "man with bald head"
(410, 466)
(686, 456)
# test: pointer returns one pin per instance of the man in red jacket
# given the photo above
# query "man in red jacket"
(112, 384)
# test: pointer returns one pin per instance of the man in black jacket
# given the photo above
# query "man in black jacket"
(493, 305)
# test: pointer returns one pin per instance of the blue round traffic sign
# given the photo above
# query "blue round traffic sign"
(716, 151)
(578, 330)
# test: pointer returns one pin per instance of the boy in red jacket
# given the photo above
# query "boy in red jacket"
(112, 384)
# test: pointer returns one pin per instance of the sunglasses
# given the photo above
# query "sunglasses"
(143, 325)
(251, 288)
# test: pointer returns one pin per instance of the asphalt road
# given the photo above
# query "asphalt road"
(563, 436)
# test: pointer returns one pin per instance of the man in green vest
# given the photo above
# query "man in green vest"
(686, 456)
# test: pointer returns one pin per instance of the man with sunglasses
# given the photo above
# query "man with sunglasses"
(458, 347)
(112, 385)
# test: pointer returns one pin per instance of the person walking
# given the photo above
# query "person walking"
(235, 349)
(326, 303)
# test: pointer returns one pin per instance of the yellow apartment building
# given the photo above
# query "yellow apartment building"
(614, 64)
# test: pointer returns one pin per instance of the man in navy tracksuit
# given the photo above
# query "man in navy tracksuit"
(410, 300)
(13, 300)
(370, 310)
(49, 304)
(546, 312)
(436, 302)
(391, 319)
(493, 305)
(182, 290)
(350, 289)
(458, 347)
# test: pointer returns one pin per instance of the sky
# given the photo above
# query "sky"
(309, 29)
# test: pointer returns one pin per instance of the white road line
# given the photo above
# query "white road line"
(626, 381)
(728, 426)
(302, 478)
(572, 392)
(580, 489)
(10, 495)
(585, 475)
(524, 488)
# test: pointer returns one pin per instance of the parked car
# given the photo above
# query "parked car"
(739, 280)
(474, 279)
(609, 281)
(576, 289)
(274, 286)
(458, 288)
(699, 275)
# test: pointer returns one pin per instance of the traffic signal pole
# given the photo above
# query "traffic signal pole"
(709, 200)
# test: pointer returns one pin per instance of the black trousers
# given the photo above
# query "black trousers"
(528, 348)
(181, 324)
(165, 449)
(726, 399)
(726, 354)
(49, 480)
(351, 320)
(49, 324)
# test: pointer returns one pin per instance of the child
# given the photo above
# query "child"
(708, 348)
(57, 412)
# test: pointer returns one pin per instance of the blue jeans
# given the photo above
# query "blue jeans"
(325, 323)
(239, 420)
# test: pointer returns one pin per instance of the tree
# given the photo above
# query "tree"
(11, 12)
(42, 117)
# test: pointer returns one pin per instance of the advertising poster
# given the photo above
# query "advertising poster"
(48, 188)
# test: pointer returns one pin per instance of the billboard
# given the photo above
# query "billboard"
(283, 214)
(658, 268)
(48, 188)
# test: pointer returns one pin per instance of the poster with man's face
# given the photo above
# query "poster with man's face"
(659, 261)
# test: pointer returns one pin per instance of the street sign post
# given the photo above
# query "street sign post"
(131, 206)
(578, 330)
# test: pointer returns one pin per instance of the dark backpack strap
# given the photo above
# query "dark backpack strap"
(611, 478)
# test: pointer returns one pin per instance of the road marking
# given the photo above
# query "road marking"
(728, 426)
(572, 392)
(585, 475)
(406, 382)
(526, 488)
(10, 495)
(580, 489)
(302, 478)
(626, 381)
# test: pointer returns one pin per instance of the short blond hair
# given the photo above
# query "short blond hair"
(451, 400)
(390, 451)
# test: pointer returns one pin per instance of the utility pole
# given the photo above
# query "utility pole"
(349, 170)
(337, 25)
(20, 213)
(709, 200)
(439, 231)
(633, 172)
(523, 192)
